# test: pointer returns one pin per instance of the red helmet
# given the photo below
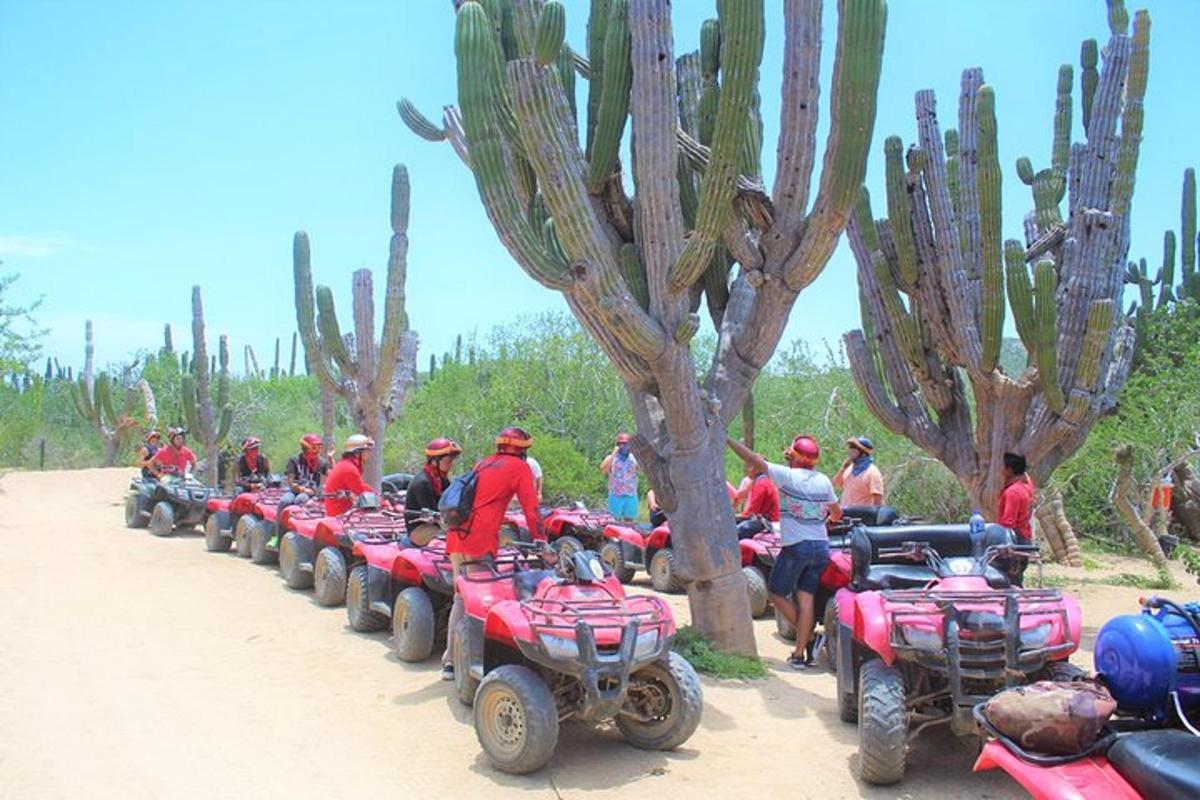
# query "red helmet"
(515, 438)
(251, 443)
(442, 447)
(622, 438)
(153, 434)
(804, 446)
(310, 441)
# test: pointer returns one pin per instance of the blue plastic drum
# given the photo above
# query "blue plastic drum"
(1143, 657)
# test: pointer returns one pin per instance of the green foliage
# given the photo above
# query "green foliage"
(704, 659)
(19, 334)
(1190, 559)
(1162, 580)
(1157, 413)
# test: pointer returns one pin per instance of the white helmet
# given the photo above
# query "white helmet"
(358, 442)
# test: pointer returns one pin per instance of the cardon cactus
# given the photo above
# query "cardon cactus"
(92, 398)
(933, 284)
(635, 270)
(372, 377)
(207, 422)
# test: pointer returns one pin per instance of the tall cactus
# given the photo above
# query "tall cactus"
(209, 423)
(92, 396)
(939, 247)
(1188, 287)
(635, 270)
(372, 377)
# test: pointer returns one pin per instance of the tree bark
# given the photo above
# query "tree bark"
(1121, 499)
(328, 414)
(1185, 500)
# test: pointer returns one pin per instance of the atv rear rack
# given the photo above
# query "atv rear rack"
(980, 652)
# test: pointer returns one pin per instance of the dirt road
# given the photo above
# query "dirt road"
(132, 667)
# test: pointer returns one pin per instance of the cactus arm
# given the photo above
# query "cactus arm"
(798, 112)
(900, 212)
(967, 215)
(952, 167)
(687, 74)
(634, 275)
(992, 305)
(1167, 272)
(187, 391)
(1132, 114)
(551, 28)
(1187, 230)
(1118, 17)
(473, 43)
(1020, 294)
(1089, 77)
(83, 403)
(150, 402)
(226, 422)
(741, 52)
(1060, 152)
(394, 293)
(857, 65)
(418, 123)
(306, 316)
(331, 333)
(1046, 352)
(566, 75)
(597, 28)
(104, 406)
(614, 98)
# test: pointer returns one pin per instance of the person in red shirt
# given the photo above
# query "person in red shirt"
(174, 459)
(502, 476)
(1015, 509)
(762, 505)
(346, 476)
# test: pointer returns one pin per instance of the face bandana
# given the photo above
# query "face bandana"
(252, 459)
(860, 464)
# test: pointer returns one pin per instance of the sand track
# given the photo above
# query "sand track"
(135, 667)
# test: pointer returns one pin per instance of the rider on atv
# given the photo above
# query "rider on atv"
(807, 500)
(500, 477)
(345, 482)
(762, 507)
(146, 453)
(175, 459)
(303, 476)
(252, 468)
(426, 488)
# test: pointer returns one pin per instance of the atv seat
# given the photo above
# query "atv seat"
(1162, 764)
(874, 516)
(525, 582)
(894, 576)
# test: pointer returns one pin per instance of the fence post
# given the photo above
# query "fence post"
(42, 454)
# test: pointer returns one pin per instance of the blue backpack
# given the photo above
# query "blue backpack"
(458, 501)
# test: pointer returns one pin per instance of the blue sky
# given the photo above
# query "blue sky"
(148, 146)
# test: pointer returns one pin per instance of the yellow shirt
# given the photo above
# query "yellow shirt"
(857, 489)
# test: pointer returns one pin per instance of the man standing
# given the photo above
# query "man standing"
(426, 488)
(859, 479)
(500, 477)
(346, 476)
(807, 499)
(174, 459)
(303, 475)
(622, 470)
(1015, 510)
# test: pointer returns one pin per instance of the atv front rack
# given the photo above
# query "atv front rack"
(978, 644)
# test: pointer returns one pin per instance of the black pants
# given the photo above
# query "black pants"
(749, 528)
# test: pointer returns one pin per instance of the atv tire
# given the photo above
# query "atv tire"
(662, 572)
(829, 626)
(413, 625)
(215, 541)
(882, 723)
(241, 534)
(674, 701)
(329, 577)
(162, 519)
(289, 563)
(756, 587)
(133, 513)
(260, 534)
(465, 685)
(847, 697)
(358, 605)
(612, 554)
(516, 719)
(784, 628)
(568, 546)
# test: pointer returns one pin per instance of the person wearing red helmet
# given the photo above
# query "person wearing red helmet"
(252, 468)
(807, 499)
(501, 477)
(174, 459)
(622, 470)
(426, 488)
(303, 474)
(345, 481)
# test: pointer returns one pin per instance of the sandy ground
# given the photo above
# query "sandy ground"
(136, 667)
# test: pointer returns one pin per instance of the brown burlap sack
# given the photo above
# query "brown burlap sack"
(1049, 717)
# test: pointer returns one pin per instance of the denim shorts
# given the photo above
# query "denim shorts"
(798, 568)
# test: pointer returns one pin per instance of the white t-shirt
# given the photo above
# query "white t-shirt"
(804, 495)
(534, 467)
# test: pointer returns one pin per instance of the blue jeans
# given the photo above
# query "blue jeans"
(798, 568)
(623, 506)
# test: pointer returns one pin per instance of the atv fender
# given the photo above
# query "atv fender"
(631, 541)
(872, 625)
(1074, 619)
(267, 511)
(244, 503)
(327, 531)
(1086, 777)
(754, 552)
(659, 538)
(837, 574)
(381, 592)
(506, 623)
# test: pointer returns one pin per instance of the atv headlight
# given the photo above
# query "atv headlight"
(921, 638)
(646, 645)
(1035, 638)
(559, 647)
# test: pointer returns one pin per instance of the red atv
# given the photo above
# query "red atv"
(628, 547)
(571, 528)
(409, 584)
(929, 628)
(537, 647)
(316, 552)
(758, 556)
